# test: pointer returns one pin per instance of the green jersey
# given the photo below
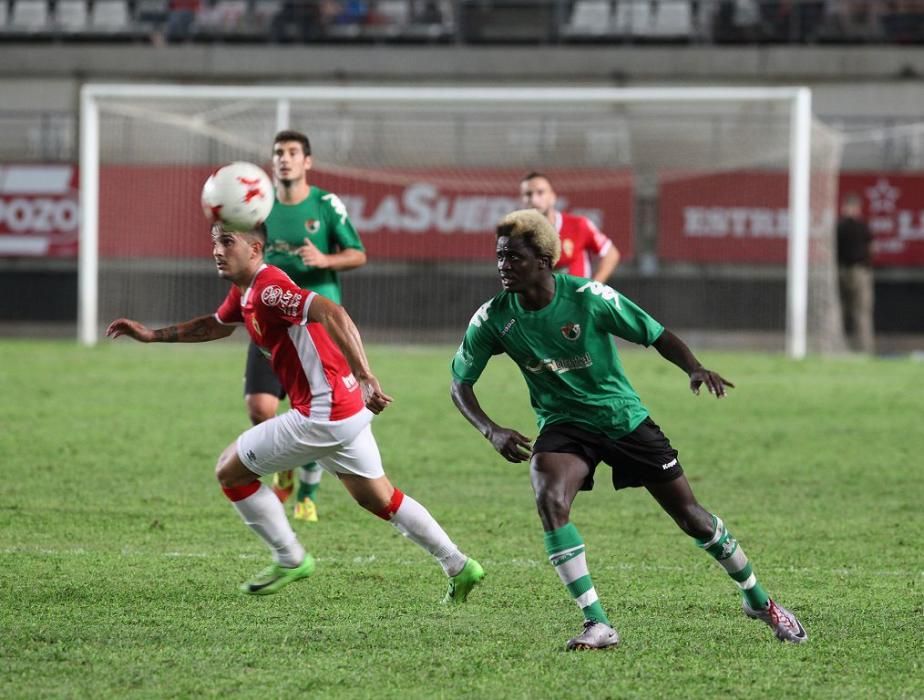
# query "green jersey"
(565, 352)
(322, 219)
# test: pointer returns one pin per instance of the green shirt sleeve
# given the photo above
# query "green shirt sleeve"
(343, 231)
(479, 343)
(620, 316)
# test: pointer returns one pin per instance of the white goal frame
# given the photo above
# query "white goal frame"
(799, 100)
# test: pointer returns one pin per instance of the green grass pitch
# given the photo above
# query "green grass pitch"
(120, 558)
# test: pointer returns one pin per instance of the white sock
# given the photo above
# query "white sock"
(415, 522)
(310, 474)
(263, 513)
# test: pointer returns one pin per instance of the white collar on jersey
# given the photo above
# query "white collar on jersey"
(246, 295)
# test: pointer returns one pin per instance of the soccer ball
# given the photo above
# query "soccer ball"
(239, 195)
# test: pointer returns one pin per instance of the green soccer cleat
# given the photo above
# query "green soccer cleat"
(275, 577)
(463, 582)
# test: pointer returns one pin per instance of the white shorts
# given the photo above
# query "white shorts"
(292, 440)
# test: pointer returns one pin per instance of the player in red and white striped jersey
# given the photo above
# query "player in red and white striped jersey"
(316, 352)
(579, 235)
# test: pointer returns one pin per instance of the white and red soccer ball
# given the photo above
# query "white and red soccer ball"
(239, 195)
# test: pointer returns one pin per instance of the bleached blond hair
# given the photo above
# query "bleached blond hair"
(533, 228)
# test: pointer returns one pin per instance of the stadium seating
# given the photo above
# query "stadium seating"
(29, 17)
(669, 19)
(151, 14)
(590, 18)
(71, 16)
(672, 20)
(542, 21)
(110, 17)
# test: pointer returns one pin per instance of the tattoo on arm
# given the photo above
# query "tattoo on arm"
(166, 335)
(195, 331)
(199, 329)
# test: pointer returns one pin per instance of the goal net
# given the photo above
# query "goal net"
(721, 202)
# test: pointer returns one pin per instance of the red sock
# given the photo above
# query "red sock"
(396, 498)
(239, 493)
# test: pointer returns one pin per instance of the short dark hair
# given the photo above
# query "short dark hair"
(291, 135)
(534, 174)
(259, 231)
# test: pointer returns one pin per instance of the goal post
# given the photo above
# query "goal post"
(405, 134)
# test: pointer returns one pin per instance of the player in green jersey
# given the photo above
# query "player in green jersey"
(311, 238)
(557, 329)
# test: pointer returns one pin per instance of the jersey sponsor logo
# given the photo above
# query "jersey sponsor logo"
(337, 205)
(272, 295)
(481, 315)
(350, 382)
(290, 302)
(507, 327)
(312, 225)
(559, 366)
(287, 301)
(283, 248)
(601, 290)
(571, 331)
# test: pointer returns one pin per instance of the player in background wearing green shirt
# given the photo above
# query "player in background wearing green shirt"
(311, 239)
(557, 329)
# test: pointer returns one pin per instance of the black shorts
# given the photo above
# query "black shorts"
(644, 456)
(259, 377)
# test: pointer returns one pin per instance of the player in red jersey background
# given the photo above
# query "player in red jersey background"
(579, 236)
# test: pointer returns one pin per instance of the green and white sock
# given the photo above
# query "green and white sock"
(309, 480)
(565, 548)
(725, 549)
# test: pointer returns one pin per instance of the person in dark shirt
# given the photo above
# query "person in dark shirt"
(855, 274)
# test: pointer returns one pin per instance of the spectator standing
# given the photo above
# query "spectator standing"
(855, 274)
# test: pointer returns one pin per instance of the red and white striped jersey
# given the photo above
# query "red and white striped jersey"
(308, 363)
(579, 237)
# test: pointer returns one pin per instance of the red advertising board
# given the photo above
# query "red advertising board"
(150, 211)
(893, 205)
(38, 210)
(153, 211)
(744, 217)
(723, 217)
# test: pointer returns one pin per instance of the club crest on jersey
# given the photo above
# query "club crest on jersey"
(271, 295)
(312, 225)
(567, 247)
(571, 331)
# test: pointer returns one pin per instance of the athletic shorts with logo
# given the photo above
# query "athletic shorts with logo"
(644, 456)
(291, 439)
